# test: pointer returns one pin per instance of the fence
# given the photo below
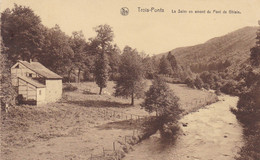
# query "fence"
(114, 153)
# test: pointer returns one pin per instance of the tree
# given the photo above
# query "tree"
(165, 66)
(57, 53)
(22, 33)
(78, 45)
(198, 82)
(255, 51)
(150, 67)
(130, 81)
(7, 91)
(189, 82)
(101, 72)
(172, 60)
(114, 61)
(160, 99)
(101, 45)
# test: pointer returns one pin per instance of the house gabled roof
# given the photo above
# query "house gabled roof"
(40, 69)
(32, 82)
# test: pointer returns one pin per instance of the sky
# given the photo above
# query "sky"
(149, 32)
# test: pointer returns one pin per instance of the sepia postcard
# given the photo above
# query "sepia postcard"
(130, 79)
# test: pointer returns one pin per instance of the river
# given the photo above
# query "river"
(212, 133)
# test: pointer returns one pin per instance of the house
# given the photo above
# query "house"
(36, 83)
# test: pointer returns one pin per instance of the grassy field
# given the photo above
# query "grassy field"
(81, 124)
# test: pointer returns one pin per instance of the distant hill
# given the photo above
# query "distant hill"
(234, 47)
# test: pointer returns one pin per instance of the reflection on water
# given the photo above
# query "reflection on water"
(211, 133)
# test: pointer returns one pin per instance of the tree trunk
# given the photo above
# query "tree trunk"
(132, 101)
(100, 91)
(79, 76)
(69, 76)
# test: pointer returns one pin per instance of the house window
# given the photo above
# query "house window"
(40, 92)
(30, 74)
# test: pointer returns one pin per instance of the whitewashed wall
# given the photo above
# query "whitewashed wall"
(41, 95)
(53, 90)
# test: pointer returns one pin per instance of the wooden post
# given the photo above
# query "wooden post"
(114, 146)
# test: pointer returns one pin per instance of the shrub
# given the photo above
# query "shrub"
(190, 83)
(198, 82)
(69, 88)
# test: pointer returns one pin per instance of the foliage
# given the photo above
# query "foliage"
(101, 72)
(101, 45)
(213, 66)
(22, 33)
(81, 59)
(114, 61)
(165, 66)
(255, 51)
(198, 82)
(173, 62)
(130, 81)
(58, 54)
(160, 99)
(150, 67)
(7, 91)
(190, 83)
(69, 87)
(248, 107)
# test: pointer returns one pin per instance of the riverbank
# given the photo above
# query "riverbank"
(212, 132)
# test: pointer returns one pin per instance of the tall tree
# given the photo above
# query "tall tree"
(102, 43)
(101, 71)
(57, 52)
(78, 45)
(165, 66)
(130, 83)
(150, 67)
(22, 33)
(173, 62)
(114, 61)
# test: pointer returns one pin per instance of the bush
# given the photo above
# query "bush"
(190, 83)
(69, 88)
(218, 92)
(230, 87)
(198, 82)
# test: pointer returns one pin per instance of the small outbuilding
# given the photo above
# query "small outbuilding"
(35, 83)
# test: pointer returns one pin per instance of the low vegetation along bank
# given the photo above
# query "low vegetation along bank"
(79, 125)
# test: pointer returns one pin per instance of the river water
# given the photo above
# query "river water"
(212, 133)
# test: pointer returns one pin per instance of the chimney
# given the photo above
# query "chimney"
(30, 60)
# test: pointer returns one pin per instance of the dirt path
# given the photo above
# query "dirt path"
(211, 133)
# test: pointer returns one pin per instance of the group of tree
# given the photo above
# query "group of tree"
(248, 107)
(168, 64)
(214, 66)
(25, 38)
